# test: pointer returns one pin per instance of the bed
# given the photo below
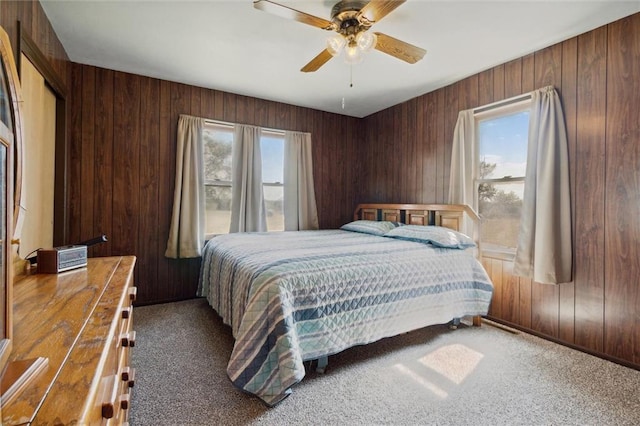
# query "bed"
(291, 297)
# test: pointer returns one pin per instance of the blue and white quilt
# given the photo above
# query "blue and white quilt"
(296, 296)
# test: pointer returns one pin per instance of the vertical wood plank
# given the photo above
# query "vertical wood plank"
(166, 163)
(528, 67)
(87, 166)
(207, 104)
(75, 155)
(498, 83)
(546, 298)
(126, 177)
(510, 293)
(242, 112)
(177, 282)
(497, 276)
(218, 104)
(486, 264)
(590, 194)
(421, 148)
(569, 101)
(229, 107)
(548, 67)
(513, 78)
(468, 94)
(195, 109)
(430, 148)
(150, 175)
(525, 302)
(485, 87)
(622, 226)
(451, 116)
(104, 165)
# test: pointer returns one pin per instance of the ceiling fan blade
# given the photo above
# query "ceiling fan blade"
(317, 62)
(375, 10)
(289, 13)
(399, 49)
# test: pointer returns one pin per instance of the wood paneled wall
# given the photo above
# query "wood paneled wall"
(36, 24)
(122, 140)
(597, 74)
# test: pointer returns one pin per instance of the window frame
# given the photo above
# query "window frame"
(490, 112)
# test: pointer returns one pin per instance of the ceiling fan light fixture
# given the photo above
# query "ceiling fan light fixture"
(336, 44)
(352, 54)
(366, 41)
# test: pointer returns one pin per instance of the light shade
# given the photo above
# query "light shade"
(335, 44)
(366, 41)
(352, 54)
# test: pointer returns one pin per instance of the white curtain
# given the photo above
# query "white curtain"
(544, 250)
(463, 165)
(186, 235)
(248, 212)
(300, 210)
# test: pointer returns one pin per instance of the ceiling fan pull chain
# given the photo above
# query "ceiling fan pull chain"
(350, 75)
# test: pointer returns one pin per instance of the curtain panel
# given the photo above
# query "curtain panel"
(300, 211)
(186, 234)
(464, 165)
(248, 212)
(544, 251)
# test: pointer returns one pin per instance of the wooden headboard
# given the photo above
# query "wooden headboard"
(447, 215)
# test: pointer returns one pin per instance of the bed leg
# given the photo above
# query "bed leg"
(477, 321)
(453, 325)
(323, 361)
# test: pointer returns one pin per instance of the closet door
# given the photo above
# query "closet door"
(39, 112)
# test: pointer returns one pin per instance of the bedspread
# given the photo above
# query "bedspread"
(295, 296)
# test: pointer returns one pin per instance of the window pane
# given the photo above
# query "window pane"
(500, 206)
(217, 209)
(217, 168)
(217, 153)
(503, 145)
(272, 148)
(273, 196)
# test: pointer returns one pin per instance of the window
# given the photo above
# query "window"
(502, 156)
(218, 143)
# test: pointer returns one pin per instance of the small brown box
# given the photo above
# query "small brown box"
(60, 259)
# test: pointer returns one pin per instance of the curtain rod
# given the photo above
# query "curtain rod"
(227, 124)
(504, 102)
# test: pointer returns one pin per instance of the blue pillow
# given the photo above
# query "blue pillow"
(372, 227)
(438, 236)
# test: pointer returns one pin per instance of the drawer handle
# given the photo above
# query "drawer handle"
(128, 339)
(109, 404)
(126, 373)
(133, 292)
(125, 400)
(126, 312)
(132, 378)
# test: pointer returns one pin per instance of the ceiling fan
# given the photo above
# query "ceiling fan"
(351, 20)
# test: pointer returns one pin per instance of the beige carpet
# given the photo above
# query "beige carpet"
(433, 376)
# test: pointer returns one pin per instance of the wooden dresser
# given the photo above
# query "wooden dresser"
(81, 322)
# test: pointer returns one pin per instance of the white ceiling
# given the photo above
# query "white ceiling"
(230, 46)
